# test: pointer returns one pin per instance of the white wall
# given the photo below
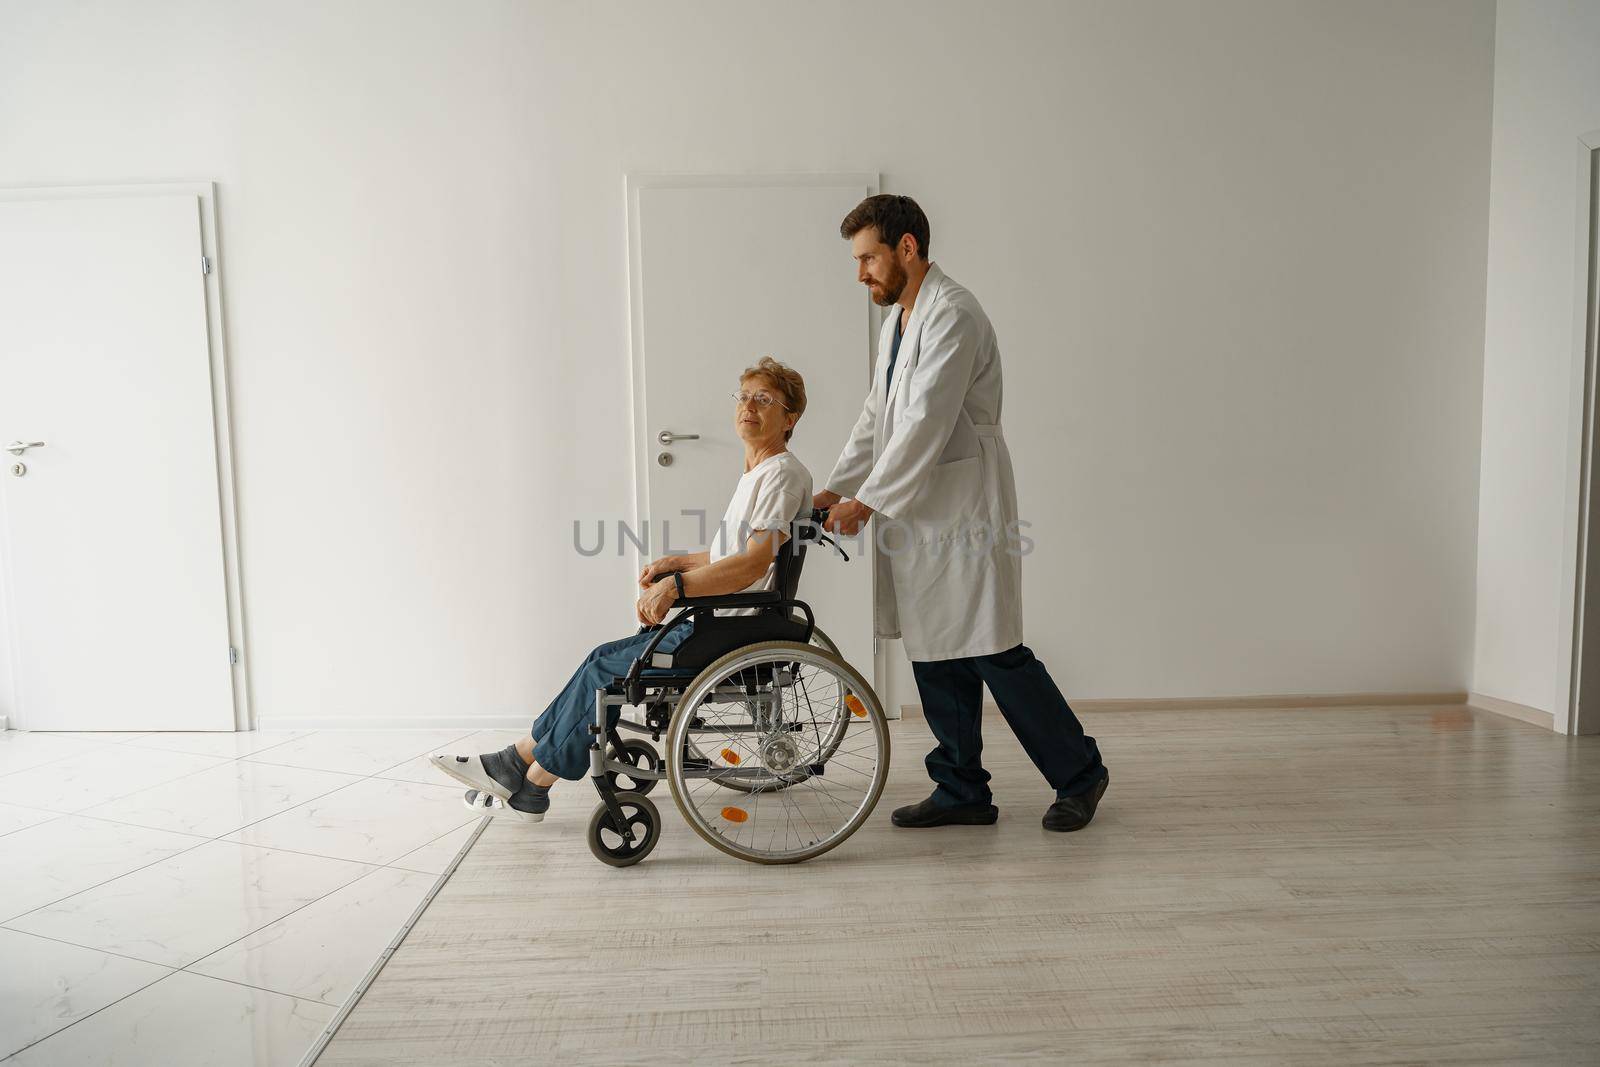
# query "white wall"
(1234, 252)
(1547, 93)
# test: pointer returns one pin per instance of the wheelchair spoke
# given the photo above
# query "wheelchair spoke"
(788, 798)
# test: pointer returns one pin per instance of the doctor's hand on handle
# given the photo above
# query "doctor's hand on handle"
(844, 516)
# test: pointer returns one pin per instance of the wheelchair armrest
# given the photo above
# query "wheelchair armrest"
(730, 600)
(724, 600)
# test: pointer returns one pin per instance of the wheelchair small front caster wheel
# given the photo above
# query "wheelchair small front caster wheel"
(605, 836)
(641, 754)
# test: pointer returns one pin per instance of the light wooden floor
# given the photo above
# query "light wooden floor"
(1366, 885)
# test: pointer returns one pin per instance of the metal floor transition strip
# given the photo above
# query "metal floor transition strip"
(354, 998)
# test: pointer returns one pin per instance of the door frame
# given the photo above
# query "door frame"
(1580, 557)
(633, 183)
(222, 419)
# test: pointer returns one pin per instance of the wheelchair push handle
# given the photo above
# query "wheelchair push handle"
(819, 519)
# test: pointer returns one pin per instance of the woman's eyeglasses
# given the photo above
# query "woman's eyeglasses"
(761, 400)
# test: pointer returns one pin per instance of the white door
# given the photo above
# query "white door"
(726, 271)
(112, 538)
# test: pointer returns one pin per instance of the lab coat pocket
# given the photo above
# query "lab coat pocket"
(952, 505)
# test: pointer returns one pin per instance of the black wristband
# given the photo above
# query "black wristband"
(677, 580)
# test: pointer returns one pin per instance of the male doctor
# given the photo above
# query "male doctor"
(928, 464)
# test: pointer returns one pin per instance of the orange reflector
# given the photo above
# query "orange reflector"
(734, 814)
(853, 702)
(732, 757)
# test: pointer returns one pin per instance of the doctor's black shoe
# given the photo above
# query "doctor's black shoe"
(1074, 813)
(927, 813)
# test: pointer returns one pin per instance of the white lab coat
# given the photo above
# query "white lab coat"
(930, 460)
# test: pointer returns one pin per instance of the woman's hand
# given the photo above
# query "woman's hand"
(664, 565)
(656, 602)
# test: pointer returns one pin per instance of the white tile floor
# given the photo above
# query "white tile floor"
(208, 898)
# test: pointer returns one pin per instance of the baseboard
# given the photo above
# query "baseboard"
(1283, 701)
(1276, 701)
(4, 724)
(416, 722)
(463, 723)
(1269, 702)
(1512, 710)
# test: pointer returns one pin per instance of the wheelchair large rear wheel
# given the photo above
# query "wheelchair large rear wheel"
(778, 710)
(770, 783)
(776, 781)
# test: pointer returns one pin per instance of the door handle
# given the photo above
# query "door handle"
(666, 437)
(17, 448)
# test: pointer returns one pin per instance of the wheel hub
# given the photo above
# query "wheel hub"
(780, 754)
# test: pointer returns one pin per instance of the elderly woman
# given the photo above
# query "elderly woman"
(773, 492)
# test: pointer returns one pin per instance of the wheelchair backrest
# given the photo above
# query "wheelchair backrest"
(792, 554)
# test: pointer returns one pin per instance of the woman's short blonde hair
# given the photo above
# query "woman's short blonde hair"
(786, 380)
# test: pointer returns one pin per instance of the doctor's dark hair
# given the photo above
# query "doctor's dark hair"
(894, 216)
(786, 380)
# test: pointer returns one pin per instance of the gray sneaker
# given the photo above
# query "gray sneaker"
(521, 806)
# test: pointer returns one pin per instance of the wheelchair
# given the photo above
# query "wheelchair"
(776, 748)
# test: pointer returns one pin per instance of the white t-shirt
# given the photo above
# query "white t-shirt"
(769, 496)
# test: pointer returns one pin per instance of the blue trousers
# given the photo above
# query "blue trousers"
(952, 703)
(561, 735)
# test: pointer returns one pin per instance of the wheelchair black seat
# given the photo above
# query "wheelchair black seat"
(716, 635)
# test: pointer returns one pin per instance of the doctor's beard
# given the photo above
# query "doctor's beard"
(888, 292)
